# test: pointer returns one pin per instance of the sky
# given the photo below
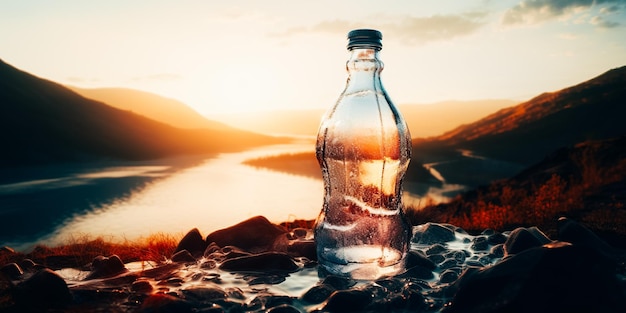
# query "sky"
(231, 56)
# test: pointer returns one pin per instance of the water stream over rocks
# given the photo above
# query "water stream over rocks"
(256, 266)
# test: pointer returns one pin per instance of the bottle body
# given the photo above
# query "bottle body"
(363, 148)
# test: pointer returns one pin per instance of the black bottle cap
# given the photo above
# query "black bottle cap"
(365, 38)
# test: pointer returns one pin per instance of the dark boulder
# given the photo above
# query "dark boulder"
(556, 277)
(522, 238)
(192, 242)
(256, 234)
(43, 291)
(431, 233)
(102, 267)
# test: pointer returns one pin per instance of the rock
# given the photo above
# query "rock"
(42, 291)
(302, 248)
(106, 267)
(448, 276)
(205, 294)
(164, 303)
(12, 271)
(192, 242)
(522, 238)
(27, 264)
(339, 282)
(266, 301)
(283, 308)
(575, 233)
(352, 300)
(479, 244)
(183, 256)
(256, 234)
(263, 262)
(556, 277)
(141, 286)
(318, 294)
(496, 238)
(417, 259)
(431, 233)
(436, 249)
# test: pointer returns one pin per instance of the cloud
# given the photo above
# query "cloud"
(537, 11)
(410, 30)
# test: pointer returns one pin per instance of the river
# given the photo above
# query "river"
(127, 202)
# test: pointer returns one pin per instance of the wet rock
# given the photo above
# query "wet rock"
(497, 251)
(231, 252)
(5, 250)
(205, 294)
(575, 233)
(448, 263)
(479, 244)
(27, 264)
(436, 249)
(556, 277)
(266, 301)
(339, 282)
(102, 267)
(263, 262)
(318, 294)
(283, 308)
(448, 276)
(496, 238)
(211, 248)
(436, 258)
(352, 300)
(141, 286)
(459, 256)
(164, 303)
(391, 285)
(256, 234)
(414, 258)
(522, 238)
(183, 256)
(432, 233)
(44, 290)
(12, 271)
(301, 248)
(192, 242)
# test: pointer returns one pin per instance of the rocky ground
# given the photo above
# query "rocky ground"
(257, 266)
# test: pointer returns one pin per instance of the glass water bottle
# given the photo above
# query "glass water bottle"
(363, 148)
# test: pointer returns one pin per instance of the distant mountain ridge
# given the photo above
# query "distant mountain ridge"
(424, 120)
(156, 107)
(43, 122)
(525, 133)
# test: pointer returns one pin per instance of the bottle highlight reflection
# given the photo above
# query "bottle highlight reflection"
(363, 148)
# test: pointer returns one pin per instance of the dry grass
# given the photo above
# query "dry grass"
(80, 250)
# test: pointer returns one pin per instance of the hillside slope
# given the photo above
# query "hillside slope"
(150, 105)
(529, 131)
(501, 144)
(43, 122)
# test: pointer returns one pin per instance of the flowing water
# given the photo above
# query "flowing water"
(138, 200)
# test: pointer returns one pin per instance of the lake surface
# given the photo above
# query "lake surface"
(130, 201)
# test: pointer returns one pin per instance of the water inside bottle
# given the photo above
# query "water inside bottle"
(361, 231)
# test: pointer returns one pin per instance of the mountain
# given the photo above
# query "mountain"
(424, 120)
(156, 107)
(43, 122)
(501, 144)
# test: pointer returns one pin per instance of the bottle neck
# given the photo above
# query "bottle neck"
(364, 67)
